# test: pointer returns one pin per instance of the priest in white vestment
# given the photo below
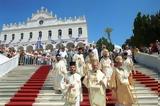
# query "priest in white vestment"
(129, 65)
(59, 72)
(120, 84)
(79, 59)
(72, 87)
(106, 64)
(96, 82)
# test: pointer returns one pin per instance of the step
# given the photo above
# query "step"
(146, 91)
(11, 84)
(54, 103)
(49, 98)
(144, 94)
(23, 99)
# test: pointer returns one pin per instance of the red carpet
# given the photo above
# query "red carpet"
(147, 81)
(27, 94)
(109, 99)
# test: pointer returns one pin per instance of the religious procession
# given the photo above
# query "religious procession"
(97, 71)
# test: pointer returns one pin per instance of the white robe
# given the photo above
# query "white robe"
(59, 71)
(79, 59)
(73, 96)
(128, 64)
(106, 67)
(120, 82)
(96, 82)
(95, 51)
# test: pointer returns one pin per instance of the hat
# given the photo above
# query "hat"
(125, 54)
(58, 55)
(80, 48)
(72, 63)
(119, 59)
(105, 50)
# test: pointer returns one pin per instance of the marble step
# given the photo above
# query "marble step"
(54, 103)
(11, 84)
(144, 94)
(145, 105)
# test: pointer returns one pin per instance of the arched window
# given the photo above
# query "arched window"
(70, 32)
(49, 35)
(5, 37)
(22, 36)
(79, 31)
(40, 35)
(59, 33)
(30, 35)
(13, 36)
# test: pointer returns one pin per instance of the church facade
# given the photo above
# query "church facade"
(45, 30)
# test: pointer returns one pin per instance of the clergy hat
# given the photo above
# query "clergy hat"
(80, 48)
(58, 55)
(119, 59)
(72, 63)
(125, 54)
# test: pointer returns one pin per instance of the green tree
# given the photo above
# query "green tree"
(104, 41)
(108, 31)
(146, 30)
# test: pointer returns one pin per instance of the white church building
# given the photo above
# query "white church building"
(44, 30)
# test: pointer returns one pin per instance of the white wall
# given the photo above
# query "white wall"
(148, 60)
(8, 65)
(45, 30)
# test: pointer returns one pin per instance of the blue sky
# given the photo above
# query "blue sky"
(116, 14)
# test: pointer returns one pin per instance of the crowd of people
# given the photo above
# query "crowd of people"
(7, 52)
(153, 47)
(97, 72)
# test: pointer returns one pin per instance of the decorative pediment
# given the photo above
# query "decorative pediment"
(43, 13)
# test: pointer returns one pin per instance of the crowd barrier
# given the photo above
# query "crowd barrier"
(9, 65)
(152, 61)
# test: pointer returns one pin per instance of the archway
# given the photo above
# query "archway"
(20, 48)
(11, 48)
(29, 48)
(70, 45)
(80, 44)
(49, 47)
(59, 45)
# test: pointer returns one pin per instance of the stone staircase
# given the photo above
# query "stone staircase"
(47, 95)
(12, 81)
(143, 95)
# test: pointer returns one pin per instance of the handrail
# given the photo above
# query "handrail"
(148, 60)
(10, 59)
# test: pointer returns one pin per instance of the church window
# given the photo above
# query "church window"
(30, 35)
(79, 31)
(59, 33)
(40, 34)
(13, 36)
(5, 37)
(22, 35)
(70, 32)
(49, 34)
